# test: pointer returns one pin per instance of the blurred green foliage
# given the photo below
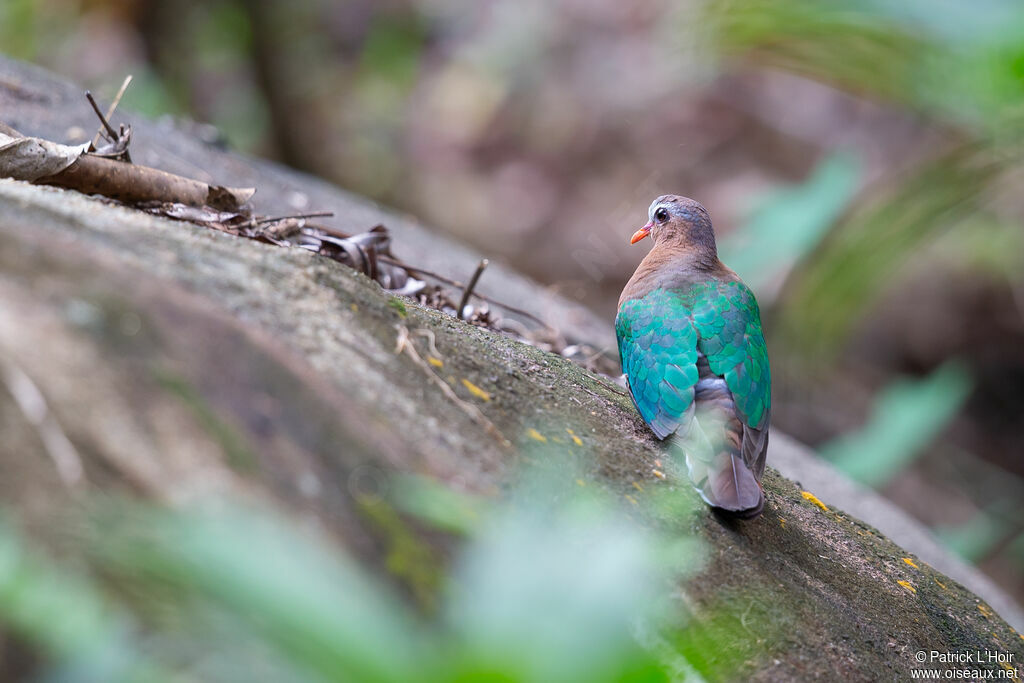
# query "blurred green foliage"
(19, 29)
(789, 224)
(551, 585)
(976, 538)
(862, 256)
(65, 616)
(948, 60)
(392, 51)
(904, 419)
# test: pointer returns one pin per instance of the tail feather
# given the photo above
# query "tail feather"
(732, 485)
(719, 474)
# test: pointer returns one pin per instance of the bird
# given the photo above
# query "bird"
(694, 356)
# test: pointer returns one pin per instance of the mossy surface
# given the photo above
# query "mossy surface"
(292, 361)
(290, 387)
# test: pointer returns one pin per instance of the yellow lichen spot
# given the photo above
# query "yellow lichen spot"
(575, 439)
(536, 436)
(354, 307)
(581, 482)
(476, 391)
(631, 499)
(436, 362)
(814, 499)
(782, 522)
(910, 562)
(658, 473)
(985, 611)
(941, 585)
(637, 486)
(906, 584)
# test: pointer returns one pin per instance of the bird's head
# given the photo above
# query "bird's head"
(680, 221)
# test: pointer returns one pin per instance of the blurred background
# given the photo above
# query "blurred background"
(862, 161)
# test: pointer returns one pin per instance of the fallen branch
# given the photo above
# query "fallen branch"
(132, 184)
(223, 209)
(49, 163)
(135, 184)
(108, 171)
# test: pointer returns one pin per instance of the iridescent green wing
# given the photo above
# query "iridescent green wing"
(658, 348)
(728, 322)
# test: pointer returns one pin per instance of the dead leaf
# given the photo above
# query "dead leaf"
(30, 159)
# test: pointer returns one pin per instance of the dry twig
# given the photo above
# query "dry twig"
(111, 133)
(404, 344)
(111, 109)
(416, 270)
(468, 290)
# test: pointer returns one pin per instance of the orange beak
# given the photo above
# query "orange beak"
(641, 233)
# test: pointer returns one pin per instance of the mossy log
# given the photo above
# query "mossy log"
(178, 363)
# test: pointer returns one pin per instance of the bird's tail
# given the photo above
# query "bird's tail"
(718, 472)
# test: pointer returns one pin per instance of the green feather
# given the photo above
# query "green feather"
(659, 335)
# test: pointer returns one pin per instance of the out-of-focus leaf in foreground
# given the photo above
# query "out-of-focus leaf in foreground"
(282, 586)
(443, 508)
(551, 588)
(906, 416)
(66, 616)
(554, 582)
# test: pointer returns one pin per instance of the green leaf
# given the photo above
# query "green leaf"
(905, 418)
(791, 222)
(858, 260)
(434, 503)
(288, 587)
(551, 587)
(69, 618)
(949, 62)
(977, 537)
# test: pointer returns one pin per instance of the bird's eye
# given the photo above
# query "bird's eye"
(661, 215)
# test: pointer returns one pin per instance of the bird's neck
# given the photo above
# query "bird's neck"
(674, 267)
